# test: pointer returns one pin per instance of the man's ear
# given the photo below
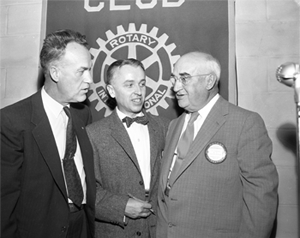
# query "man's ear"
(54, 73)
(211, 81)
(110, 89)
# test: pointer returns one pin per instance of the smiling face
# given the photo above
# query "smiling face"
(72, 75)
(128, 87)
(198, 91)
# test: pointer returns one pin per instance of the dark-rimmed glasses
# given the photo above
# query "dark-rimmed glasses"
(184, 79)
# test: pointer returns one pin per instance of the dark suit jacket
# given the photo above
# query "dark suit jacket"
(33, 194)
(117, 174)
(233, 199)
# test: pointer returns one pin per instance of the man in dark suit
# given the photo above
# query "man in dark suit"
(127, 157)
(36, 199)
(222, 183)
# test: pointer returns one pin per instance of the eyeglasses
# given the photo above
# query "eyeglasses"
(184, 79)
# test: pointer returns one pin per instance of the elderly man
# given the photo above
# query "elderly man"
(217, 178)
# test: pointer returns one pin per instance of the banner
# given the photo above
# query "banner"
(156, 32)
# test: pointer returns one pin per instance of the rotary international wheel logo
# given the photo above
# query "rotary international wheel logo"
(145, 46)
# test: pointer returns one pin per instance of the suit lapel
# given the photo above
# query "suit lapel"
(171, 143)
(45, 140)
(154, 156)
(153, 141)
(214, 121)
(121, 136)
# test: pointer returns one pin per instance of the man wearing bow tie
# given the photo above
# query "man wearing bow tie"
(127, 148)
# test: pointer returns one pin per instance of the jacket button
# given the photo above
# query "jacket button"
(64, 229)
(163, 200)
(170, 225)
(141, 183)
(138, 233)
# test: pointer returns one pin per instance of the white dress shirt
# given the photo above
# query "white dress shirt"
(139, 136)
(202, 116)
(58, 122)
(203, 113)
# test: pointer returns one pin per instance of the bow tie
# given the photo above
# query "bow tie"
(142, 120)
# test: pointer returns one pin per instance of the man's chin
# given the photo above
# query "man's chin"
(182, 104)
(138, 109)
(79, 99)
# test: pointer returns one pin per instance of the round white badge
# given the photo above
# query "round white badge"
(216, 152)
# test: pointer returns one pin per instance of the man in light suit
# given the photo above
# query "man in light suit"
(226, 184)
(35, 200)
(127, 157)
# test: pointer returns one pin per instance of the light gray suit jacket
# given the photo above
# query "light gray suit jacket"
(117, 174)
(233, 199)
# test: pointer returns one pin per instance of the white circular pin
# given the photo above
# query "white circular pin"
(215, 152)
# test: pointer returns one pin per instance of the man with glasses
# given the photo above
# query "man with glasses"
(217, 177)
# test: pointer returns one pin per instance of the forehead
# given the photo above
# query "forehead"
(189, 64)
(77, 52)
(129, 72)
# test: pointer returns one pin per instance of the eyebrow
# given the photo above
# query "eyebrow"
(184, 74)
(84, 68)
(132, 80)
(128, 80)
(181, 74)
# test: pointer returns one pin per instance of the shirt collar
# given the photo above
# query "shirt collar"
(121, 115)
(51, 105)
(207, 108)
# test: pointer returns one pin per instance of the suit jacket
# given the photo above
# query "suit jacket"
(34, 200)
(117, 174)
(236, 198)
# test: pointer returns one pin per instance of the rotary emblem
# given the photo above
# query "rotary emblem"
(151, 50)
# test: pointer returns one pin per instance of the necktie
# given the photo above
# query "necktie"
(184, 144)
(71, 174)
(142, 120)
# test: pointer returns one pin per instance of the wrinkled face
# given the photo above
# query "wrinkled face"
(73, 74)
(193, 95)
(128, 87)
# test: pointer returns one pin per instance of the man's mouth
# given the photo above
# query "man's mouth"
(137, 100)
(179, 95)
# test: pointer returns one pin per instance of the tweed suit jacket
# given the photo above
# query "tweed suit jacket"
(236, 198)
(117, 174)
(34, 200)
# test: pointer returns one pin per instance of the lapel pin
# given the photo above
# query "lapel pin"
(216, 152)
